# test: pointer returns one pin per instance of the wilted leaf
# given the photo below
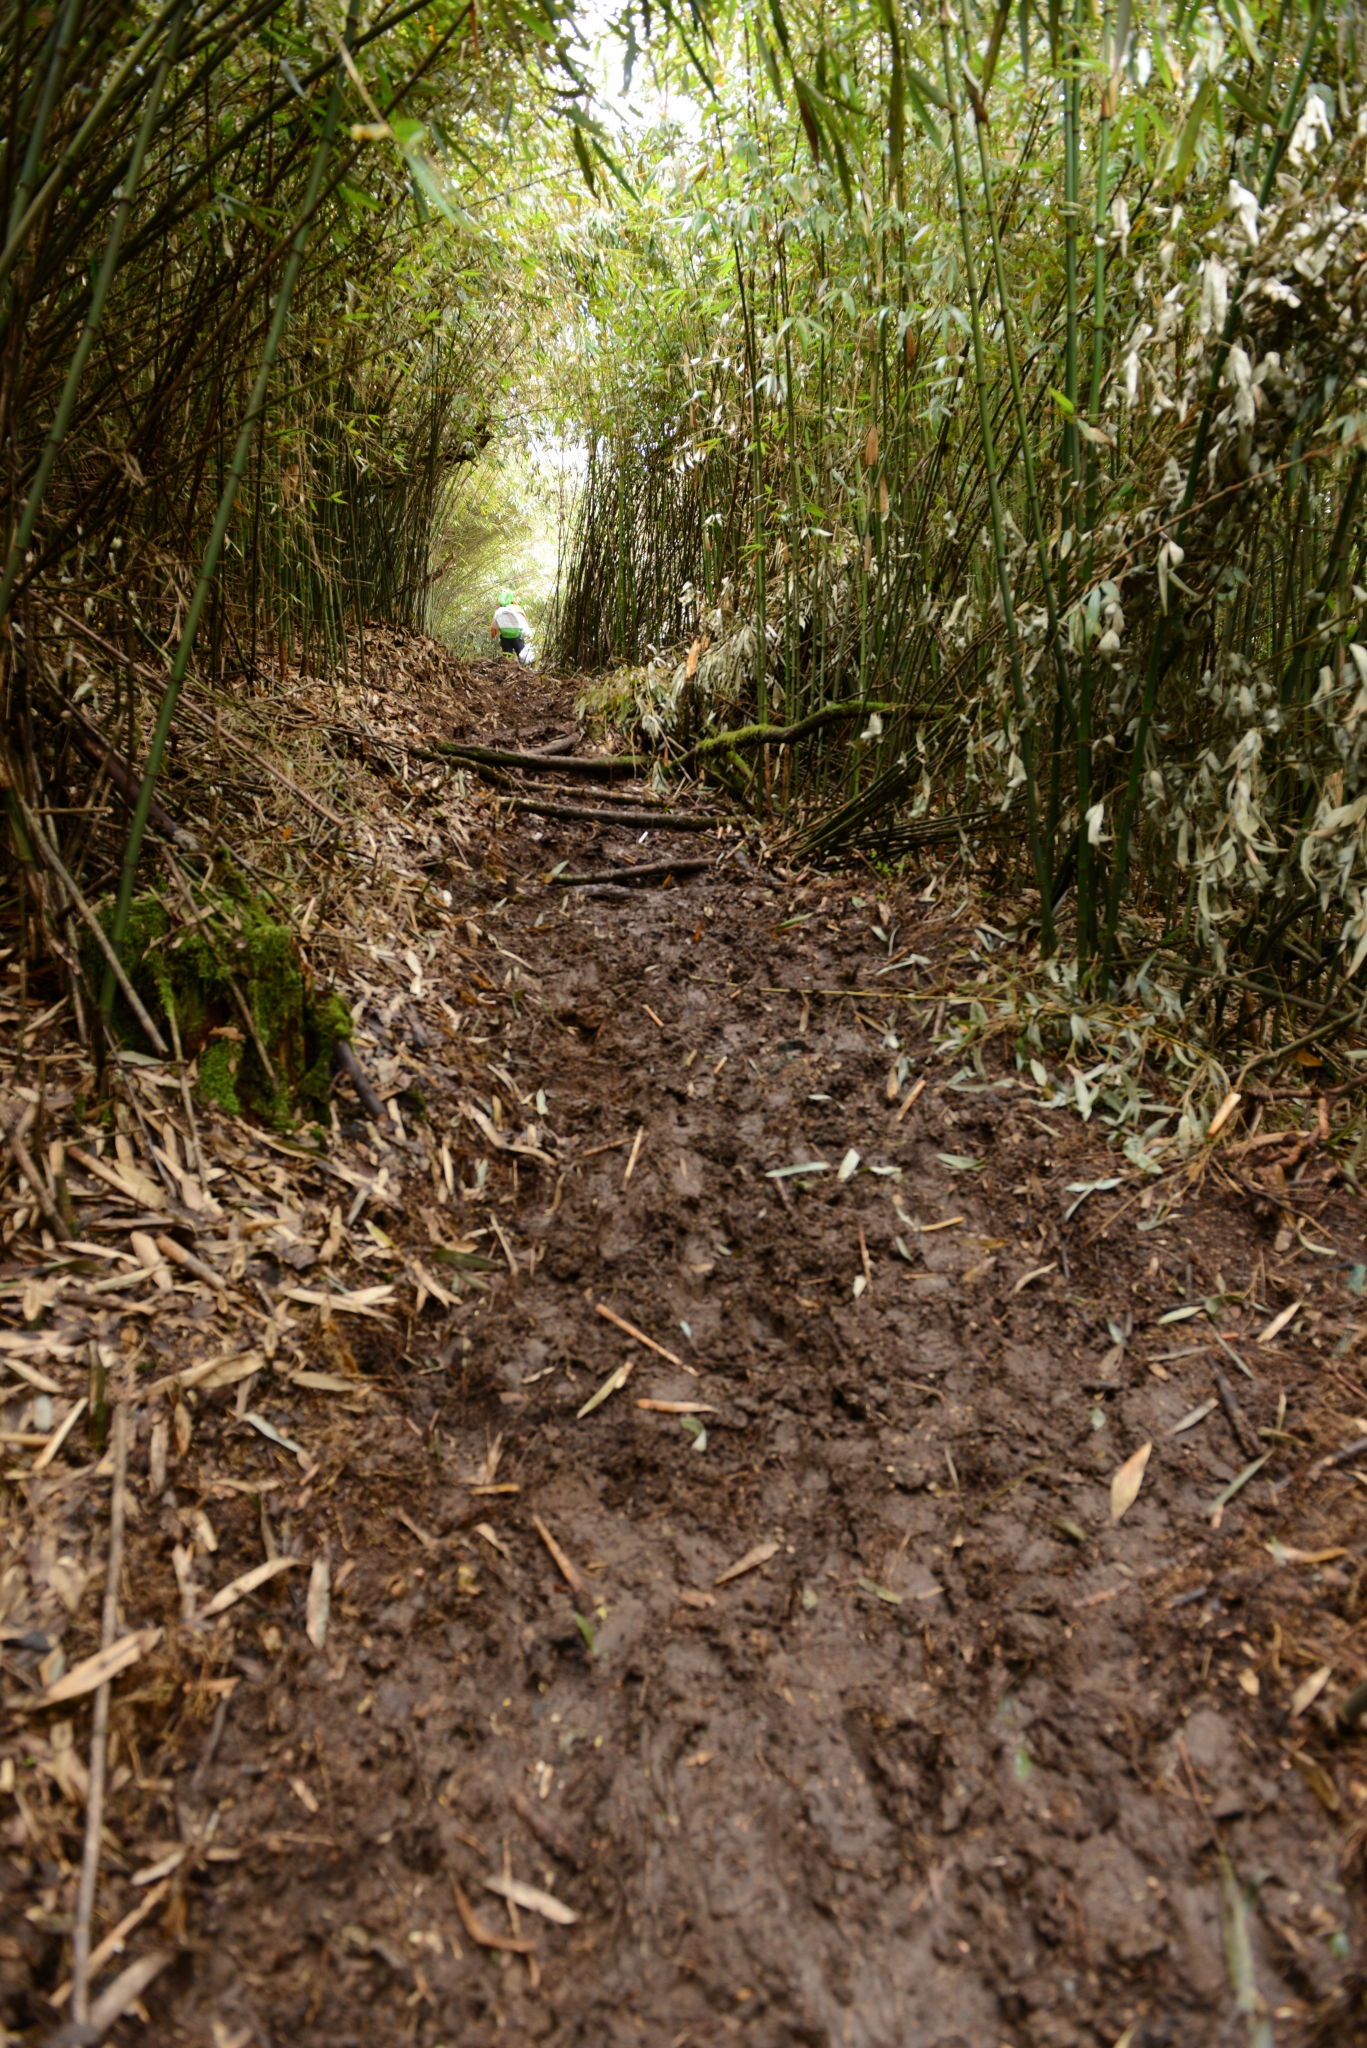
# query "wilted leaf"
(761, 1554)
(318, 1604)
(1319, 1781)
(1127, 1482)
(1309, 1691)
(92, 1672)
(1239, 1957)
(247, 1583)
(1278, 1323)
(610, 1385)
(532, 1900)
(1196, 1415)
(958, 1162)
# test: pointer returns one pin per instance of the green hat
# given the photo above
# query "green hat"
(505, 597)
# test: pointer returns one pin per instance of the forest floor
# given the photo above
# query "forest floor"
(851, 1717)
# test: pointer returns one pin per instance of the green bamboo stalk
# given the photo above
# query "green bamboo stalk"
(1072, 122)
(255, 406)
(94, 120)
(76, 369)
(52, 82)
(1026, 736)
(1086, 907)
(1032, 494)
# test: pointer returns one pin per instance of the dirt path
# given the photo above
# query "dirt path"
(850, 1718)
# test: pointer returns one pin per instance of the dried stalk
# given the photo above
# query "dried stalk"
(94, 1807)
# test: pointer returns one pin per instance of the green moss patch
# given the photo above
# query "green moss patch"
(189, 968)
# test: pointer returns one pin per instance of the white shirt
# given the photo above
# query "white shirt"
(510, 620)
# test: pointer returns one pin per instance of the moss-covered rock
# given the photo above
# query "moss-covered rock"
(190, 968)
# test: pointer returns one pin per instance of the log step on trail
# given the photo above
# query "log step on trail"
(648, 872)
(604, 766)
(650, 821)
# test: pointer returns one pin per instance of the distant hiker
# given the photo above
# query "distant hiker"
(510, 628)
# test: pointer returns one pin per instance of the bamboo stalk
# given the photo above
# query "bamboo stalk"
(1025, 739)
(255, 407)
(80, 356)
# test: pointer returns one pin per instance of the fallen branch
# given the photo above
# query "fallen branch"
(783, 735)
(170, 1249)
(23, 1159)
(93, 745)
(1245, 1434)
(651, 821)
(591, 765)
(649, 872)
(360, 1081)
(48, 855)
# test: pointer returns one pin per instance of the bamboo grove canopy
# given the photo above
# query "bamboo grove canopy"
(1000, 369)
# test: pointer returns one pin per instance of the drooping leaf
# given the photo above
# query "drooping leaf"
(1186, 146)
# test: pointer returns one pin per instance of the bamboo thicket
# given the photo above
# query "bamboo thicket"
(1015, 381)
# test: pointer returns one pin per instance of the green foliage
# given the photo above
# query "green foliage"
(500, 530)
(1004, 366)
(1042, 415)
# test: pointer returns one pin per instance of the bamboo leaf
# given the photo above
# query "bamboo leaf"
(922, 111)
(1127, 1482)
(581, 150)
(1191, 130)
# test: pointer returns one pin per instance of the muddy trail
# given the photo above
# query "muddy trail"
(728, 1636)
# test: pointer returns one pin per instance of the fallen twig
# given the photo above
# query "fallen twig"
(568, 1570)
(23, 1159)
(48, 855)
(631, 1331)
(1335, 1458)
(94, 1809)
(93, 745)
(112, 2003)
(169, 1249)
(547, 1835)
(116, 1936)
(1245, 1434)
(360, 1081)
(485, 1936)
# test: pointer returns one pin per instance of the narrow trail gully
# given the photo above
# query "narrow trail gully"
(805, 1679)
